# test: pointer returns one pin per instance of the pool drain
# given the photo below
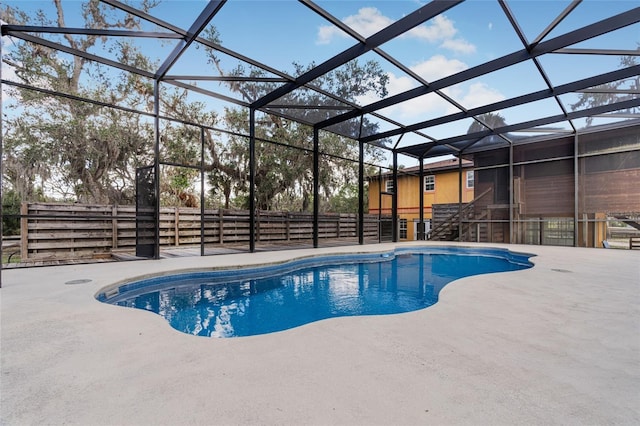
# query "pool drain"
(80, 281)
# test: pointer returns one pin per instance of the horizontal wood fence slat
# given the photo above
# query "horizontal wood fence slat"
(52, 231)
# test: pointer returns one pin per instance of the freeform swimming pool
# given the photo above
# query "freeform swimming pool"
(259, 300)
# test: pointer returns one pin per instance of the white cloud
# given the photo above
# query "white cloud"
(438, 66)
(409, 110)
(479, 94)
(440, 28)
(416, 109)
(367, 22)
(370, 20)
(394, 86)
(432, 105)
(432, 69)
(422, 107)
(490, 26)
(475, 95)
(459, 45)
(326, 33)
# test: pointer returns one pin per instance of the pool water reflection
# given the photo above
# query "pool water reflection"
(217, 307)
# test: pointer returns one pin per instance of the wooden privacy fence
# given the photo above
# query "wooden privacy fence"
(73, 231)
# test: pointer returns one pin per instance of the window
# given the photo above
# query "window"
(470, 180)
(416, 228)
(389, 185)
(402, 229)
(429, 183)
(557, 232)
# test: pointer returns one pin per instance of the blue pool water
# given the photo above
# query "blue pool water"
(251, 301)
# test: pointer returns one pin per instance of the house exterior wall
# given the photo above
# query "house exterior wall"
(410, 189)
(550, 194)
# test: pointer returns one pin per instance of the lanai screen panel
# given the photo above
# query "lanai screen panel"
(146, 232)
(572, 67)
(609, 168)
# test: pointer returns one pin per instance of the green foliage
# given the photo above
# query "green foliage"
(284, 169)
(346, 200)
(181, 181)
(89, 153)
(77, 148)
(10, 210)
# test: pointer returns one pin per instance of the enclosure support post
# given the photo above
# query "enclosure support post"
(316, 172)
(459, 197)
(511, 189)
(361, 193)
(156, 166)
(576, 188)
(421, 233)
(380, 204)
(201, 191)
(252, 180)
(1, 169)
(394, 199)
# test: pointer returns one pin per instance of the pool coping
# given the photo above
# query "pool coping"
(557, 345)
(260, 270)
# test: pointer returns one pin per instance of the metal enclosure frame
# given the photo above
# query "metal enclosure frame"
(428, 146)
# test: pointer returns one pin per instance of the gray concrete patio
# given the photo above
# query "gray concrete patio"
(555, 344)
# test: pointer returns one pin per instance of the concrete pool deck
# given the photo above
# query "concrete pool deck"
(555, 344)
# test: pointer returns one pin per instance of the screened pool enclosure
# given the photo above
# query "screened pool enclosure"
(227, 126)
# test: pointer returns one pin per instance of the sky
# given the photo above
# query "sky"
(279, 32)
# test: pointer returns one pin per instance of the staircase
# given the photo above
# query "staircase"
(447, 230)
(633, 222)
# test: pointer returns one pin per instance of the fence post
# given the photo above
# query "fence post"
(176, 225)
(220, 225)
(24, 231)
(257, 225)
(288, 226)
(114, 227)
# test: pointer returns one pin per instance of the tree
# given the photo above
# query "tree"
(10, 213)
(283, 174)
(609, 93)
(91, 150)
(491, 119)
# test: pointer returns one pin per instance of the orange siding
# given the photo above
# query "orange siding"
(409, 191)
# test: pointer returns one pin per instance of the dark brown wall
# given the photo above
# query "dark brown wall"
(615, 191)
(608, 178)
(551, 196)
